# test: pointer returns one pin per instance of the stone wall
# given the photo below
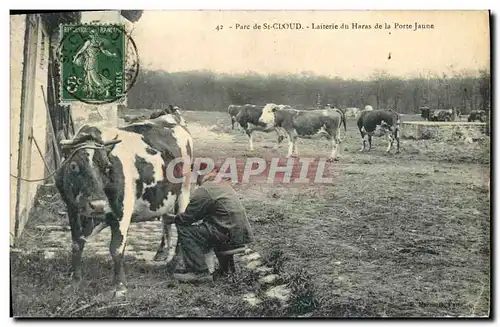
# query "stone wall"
(443, 131)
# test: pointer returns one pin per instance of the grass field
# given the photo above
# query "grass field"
(404, 235)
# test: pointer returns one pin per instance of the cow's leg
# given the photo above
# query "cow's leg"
(119, 231)
(77, 245)
(280, 136)
(250, 140)
(396, 136)
(292, 138)
(335, 145)
(232, 122)
(181, 205)
(76, 257)
(390, 141)
(117, 249)
(369, 142)
(363, 142)
(295, 151)
(248, 130)
(162, 252)
(167, 243)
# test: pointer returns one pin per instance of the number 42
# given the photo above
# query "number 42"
(218, 27)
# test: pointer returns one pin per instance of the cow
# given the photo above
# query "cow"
(439, 114)
(174, 110)
(303, 123)
(351, 112)
(477, 115)
(425, 113)
(115, 176)
(248, 118)
(444, 115)
(367, 108)
(233, 111)
(133, 119)
(377, 123)
(155, 114)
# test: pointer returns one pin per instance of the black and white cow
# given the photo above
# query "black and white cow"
(439, 114)
(445, 115)
(303, 123)
(174, 110)
(155, 114)
(425, 113)
(233, 111)
(248, 118)
(479, 115)
(378, 123)
(112, 177)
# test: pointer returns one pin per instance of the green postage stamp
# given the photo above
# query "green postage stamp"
(92, 63)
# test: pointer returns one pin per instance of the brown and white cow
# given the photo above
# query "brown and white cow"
(233, 111)
(378, 123)
(351, 112)
(112, 177)
(303, 123)
(248, 118)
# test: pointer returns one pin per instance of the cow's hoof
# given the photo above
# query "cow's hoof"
(330, 159)
(120, 291)
(171, 267)
(161, 256)
(76, 277)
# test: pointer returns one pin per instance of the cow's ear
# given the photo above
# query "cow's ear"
(66, 152)
(110, 148)
(274, 109)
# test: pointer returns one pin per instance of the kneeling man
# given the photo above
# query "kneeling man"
(214, 217)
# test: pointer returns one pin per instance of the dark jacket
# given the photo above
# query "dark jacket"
(218, 204)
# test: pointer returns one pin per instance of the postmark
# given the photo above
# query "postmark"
(98, 63)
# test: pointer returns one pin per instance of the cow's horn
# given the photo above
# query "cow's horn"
(111, 142)
(67, 143)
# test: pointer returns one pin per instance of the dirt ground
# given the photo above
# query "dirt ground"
(394, 235)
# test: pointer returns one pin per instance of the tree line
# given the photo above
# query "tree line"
(208, 91)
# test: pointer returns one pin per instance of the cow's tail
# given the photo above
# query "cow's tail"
(342, 117)
(343, 120)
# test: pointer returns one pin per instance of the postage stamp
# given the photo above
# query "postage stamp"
(92, 63)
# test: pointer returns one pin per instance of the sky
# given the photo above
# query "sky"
(188, 40)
